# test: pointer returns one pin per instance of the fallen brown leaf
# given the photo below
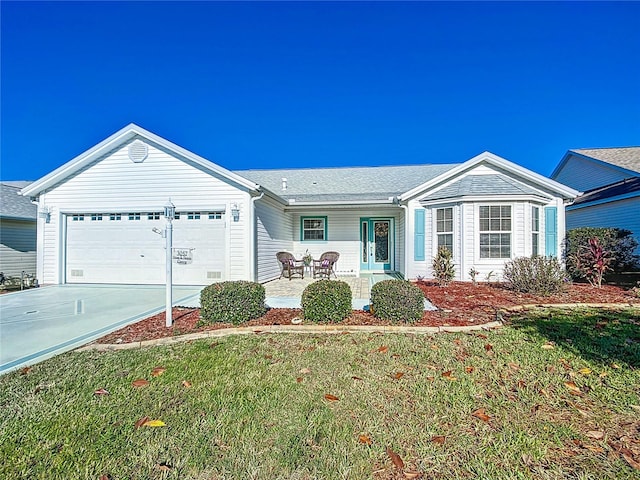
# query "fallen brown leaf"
(304, 371)
(395, 458)
(449, 376)
(331, 398)
(398, 375)
(186, 384)
(573, 388)
(412, 474)
(469, 369)
(439, 439)
(141, 382)
(101, 391)
(595, 434)
(383, 349)
(365, 439)
(488, 347)
(514, 366)
(481, 414)
(25, 370)
(156, 372)
(631, 461)
(356, 378)
(481, 335)
(548, 346)
(299, 379)
(431, 379)
(165, 467)
(141, 422)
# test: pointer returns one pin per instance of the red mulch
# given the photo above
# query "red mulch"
(460, 303)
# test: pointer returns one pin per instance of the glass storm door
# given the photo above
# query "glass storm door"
(375, 244)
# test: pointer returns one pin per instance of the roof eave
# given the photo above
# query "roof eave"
(112, 141)
(483, 198)
(493, 159)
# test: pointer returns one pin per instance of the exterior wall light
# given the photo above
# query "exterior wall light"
(235, 212)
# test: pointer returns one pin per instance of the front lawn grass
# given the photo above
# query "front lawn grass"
(551, 395)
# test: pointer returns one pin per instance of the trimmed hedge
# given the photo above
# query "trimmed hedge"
(326, 301)
(537, 275)
(397, 301)
(234, 302)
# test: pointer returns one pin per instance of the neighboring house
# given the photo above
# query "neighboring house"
(17, 231)
(100, 209)
(610, 181)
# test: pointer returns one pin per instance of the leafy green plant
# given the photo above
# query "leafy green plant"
(397, 301)
(473, 273)
(592, 261)
(619, 242)
(326, 301)
(537, 275)
(234, 301)
(443, 269)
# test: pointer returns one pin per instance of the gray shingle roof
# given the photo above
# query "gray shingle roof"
(624, 187)
(497, 184)
(13, 205)
(345, 183)
(625, 157)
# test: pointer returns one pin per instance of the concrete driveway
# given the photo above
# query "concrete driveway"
(39, 323)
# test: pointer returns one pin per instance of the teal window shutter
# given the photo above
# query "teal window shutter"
(418, 234)
(551, 231)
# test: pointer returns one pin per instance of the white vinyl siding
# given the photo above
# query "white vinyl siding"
(274, 234)
(344, 236)
(117, 185)
(17, 247)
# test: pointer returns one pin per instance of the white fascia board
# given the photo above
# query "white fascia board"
(342, 203)
(112, 142)
(500, 162)
(489, 198)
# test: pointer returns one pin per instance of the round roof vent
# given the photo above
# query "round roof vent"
(138, 151)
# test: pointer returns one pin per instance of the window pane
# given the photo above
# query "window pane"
(494, 211)
(484, 212)
(446, 240)
(534, 244)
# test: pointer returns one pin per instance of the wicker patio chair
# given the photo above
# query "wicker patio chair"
(325, 265)
(289, 266)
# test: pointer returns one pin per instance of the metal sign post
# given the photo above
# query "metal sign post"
(169, 214)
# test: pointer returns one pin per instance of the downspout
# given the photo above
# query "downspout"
(406, 241)
(254, 240)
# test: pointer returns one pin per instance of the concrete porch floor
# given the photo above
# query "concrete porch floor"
(285, 293)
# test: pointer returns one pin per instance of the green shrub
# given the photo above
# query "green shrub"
(234, 302)
(536, 275)
(619, 242)
(443, 268)
(326, 301)
(397, 301)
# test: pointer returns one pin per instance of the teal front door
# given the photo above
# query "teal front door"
(376, 243)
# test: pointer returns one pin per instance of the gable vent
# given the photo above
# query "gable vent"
(138, 151)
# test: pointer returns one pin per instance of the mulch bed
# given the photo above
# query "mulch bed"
(459, 304)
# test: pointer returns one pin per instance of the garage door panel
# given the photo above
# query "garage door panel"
(128, 251)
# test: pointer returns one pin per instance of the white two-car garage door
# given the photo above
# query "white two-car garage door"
(122, 248)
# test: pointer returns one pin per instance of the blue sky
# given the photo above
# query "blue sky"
(278, 85)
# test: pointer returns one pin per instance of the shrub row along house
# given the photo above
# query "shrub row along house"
(97, 212)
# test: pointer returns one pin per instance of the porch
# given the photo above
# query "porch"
(285, 293)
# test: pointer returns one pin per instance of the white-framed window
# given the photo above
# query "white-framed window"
(193, 215)
(154, 215)
(78, 218)
(115, 216)
(495, 231)
(134, 216)
(444, 228)
(176, 216)
(313, 228)
(96, 217)
(215, 215)
(535, 230)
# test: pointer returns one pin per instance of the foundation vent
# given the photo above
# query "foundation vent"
(77, 273)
